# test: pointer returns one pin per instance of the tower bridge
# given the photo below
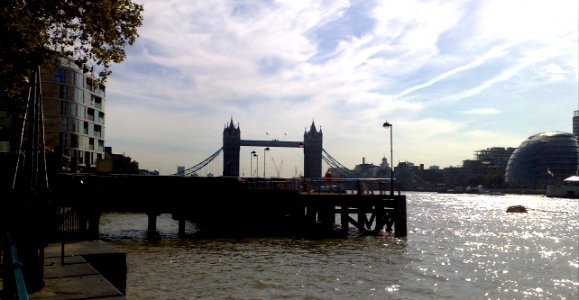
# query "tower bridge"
(311, 145)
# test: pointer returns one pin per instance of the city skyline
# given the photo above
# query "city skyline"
(451, 78)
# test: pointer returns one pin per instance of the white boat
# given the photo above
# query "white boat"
(569, 188)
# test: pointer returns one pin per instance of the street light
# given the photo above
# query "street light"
(256, 164)
(251, 155)
(388, 125)
(265, 149)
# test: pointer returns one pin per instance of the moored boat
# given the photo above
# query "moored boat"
(568, 188)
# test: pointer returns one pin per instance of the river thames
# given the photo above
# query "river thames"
(459, 246)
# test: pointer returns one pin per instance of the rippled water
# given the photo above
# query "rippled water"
(459, 246)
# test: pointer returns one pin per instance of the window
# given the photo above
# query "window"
(78, 96)
(81, 111)
(63, 92)
(78, 80)
(85, 127)
(74, 141)
(89, 84)
(59, 75)
(78, 156)
(87, 158)
(62, 139)
(100, 90)
(63, 106)
(73, 109)
(90, 114)
(64, 124)
(97, 130)
(98, 102)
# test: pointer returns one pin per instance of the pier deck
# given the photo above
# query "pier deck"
(77, 278)
(221, 203)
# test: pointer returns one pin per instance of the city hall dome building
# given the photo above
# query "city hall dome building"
(543, 158)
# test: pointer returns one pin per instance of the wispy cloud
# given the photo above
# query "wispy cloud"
(481, 111)
(348, 65)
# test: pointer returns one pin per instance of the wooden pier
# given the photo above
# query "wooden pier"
(237, 205)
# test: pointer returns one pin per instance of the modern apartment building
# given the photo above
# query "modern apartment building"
(576, 124)
(74, 116)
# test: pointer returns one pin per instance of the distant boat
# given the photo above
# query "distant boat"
(471, 190)
(452, 191)
(568, 188)
(479, 189)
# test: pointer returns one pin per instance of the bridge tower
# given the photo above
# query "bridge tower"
(313, 152)
(231, 147)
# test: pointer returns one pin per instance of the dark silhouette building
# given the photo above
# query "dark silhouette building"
(231, 147)
(313, 141)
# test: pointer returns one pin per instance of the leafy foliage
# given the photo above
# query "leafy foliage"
(91, 33)
(125, 165)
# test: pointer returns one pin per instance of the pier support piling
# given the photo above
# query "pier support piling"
(401, 219)
(152, 223)
(344, 218)
(181, 227)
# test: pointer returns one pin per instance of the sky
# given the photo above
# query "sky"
(452, 77)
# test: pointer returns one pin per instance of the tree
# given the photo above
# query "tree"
(93, 34)
(34, 34)
(125, 165)
(39, 33)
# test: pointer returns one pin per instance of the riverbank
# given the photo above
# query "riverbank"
(85, 270)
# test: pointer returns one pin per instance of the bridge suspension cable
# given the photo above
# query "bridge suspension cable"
(328, 159)
(197, 167)
(336, 165)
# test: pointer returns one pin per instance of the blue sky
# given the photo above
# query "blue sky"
(453, 77)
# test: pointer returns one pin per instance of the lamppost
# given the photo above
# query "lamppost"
(265, 149)
(388, 125)
(256, 164)
(251, 155)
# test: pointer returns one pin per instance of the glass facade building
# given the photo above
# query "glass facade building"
(576, 123)
(542, 159)
(74, 117)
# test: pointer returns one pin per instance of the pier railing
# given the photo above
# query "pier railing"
(367, 186)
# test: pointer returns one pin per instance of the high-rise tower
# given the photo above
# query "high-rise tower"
(74, 116)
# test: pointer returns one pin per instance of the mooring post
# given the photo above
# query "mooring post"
(311, 213)
(401, 222)
(181, 222)
(344, 219)
(152, 223)
(327, 216)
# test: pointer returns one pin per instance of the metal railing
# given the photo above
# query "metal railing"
(14, 286)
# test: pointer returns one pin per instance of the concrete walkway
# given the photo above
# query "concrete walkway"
(76, 278)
